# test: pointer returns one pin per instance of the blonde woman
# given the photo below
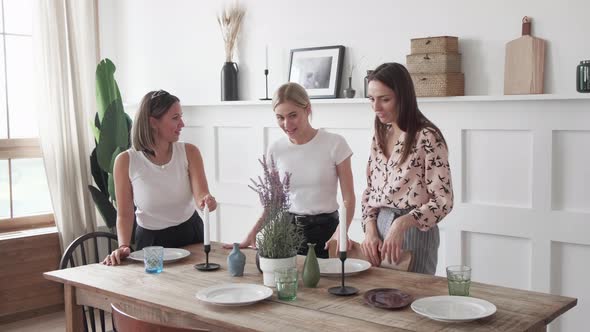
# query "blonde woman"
(318, 161)
(162, 178)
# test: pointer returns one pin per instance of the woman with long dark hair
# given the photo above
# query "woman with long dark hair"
(409, 186)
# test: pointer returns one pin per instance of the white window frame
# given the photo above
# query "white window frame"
(18, 148)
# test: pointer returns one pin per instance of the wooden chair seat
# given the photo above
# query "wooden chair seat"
(123, 322)
(356, 252)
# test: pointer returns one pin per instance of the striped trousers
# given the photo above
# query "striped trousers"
(423, 245)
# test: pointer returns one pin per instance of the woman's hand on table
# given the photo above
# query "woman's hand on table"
(117, 256)
(336, 237)
(391, 249)
(371, 245)
(249, 242)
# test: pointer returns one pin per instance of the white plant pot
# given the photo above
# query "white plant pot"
(270, 265)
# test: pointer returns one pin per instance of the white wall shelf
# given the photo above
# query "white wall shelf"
(458, 99)
(423, 100)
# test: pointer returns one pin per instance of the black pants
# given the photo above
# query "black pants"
(189, 232)
(316, 229)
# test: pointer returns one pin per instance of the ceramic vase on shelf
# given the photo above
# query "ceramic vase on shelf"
(349, 92)
(229, 81)
(311, 268)
(236, 260)
(583, 76)
(369, 72)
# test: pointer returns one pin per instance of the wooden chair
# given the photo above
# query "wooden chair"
(85, 250)
(123, 322)
(356, 252)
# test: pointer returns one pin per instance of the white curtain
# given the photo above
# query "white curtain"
(66, 53)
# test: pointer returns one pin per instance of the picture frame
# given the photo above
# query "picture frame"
(318, 70)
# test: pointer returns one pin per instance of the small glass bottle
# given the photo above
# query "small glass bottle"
(583, 77)
(367, 83)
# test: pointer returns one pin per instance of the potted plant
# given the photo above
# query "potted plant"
(278, 238)
(111, 128)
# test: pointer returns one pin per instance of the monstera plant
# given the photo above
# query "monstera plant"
(111, 128)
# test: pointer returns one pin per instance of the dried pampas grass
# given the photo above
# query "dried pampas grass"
(230, 21)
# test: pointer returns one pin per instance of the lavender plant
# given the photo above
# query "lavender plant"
(278, 237)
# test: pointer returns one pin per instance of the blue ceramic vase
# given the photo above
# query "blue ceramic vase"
(236, 260)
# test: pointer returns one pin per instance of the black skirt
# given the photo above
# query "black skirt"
(189, 232)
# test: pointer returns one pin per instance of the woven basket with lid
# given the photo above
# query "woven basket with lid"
(441, 44)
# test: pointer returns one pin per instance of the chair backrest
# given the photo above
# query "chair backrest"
(87, 254)
(123, 322)
(356, 252)
(86, 249)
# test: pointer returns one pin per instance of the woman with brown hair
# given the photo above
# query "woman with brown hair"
(409, 186)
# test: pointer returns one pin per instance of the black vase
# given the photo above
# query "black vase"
(229, 81)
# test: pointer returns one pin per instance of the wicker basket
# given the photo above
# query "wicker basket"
(439, 85)
(433, 63)
(442, 44)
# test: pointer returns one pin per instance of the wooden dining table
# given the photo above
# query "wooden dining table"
(170, 298)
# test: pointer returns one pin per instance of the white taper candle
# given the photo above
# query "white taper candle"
(266, 57)
(343, 228)
(206, 224)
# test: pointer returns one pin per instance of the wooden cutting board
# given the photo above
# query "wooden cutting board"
(525, 63)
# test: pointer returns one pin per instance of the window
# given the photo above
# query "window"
(24, 195)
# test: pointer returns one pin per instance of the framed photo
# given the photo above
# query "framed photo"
(318, 70)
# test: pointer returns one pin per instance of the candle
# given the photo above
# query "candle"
(343, 228)
(266, 57)
(206, 224)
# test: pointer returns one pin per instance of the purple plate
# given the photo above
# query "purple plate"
(387, 298)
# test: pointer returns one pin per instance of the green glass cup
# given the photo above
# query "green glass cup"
(286, 280)
(459, 280)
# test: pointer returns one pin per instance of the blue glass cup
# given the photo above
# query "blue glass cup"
(153, 258)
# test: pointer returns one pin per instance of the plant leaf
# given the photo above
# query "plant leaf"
(105, 208)
(113, 134)
(112, 187)
(100, 177)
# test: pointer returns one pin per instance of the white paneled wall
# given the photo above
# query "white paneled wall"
(498, 164)
(570, 164)
(520, 174)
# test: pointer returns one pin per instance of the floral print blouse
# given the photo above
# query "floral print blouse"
(422, 183)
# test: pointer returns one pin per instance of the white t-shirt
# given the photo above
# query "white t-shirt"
(314, 181)
(162, 194)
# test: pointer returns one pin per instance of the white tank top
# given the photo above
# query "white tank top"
(162, 194)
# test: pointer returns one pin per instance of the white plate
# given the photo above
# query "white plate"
(234, 294)
(453, 308)
(170, 254)
(333, 266)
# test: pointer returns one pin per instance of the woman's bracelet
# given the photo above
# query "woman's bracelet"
(124, 246)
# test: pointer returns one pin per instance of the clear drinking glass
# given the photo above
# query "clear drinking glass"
(286, 280)
(153, 258)
(459, 279)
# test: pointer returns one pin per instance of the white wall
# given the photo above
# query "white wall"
(525, 226)
(521, 184)
(177, 45)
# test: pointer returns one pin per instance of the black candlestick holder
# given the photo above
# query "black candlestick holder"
(343, 290)
(207, 266)
(266, 80)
